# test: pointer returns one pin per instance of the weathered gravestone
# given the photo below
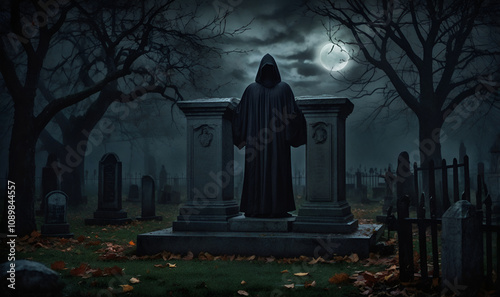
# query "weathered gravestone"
(50, 181)
(109, 198)
(30, 279)
(462, 248)
(148, 200)
(56, 223)
(133, 193)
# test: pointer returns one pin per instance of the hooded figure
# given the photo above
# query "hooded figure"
(267, 121)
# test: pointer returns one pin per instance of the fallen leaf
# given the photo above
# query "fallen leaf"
(339, 278)
(243, 282)
(354, 258)
(284, 271)
(134, 280)
(189, 256)
(289, 286)
(58, 265)
(242, 293)
(310, 284)
(251, 258)
(170, 265)
(126, 288)
(131, 242)
(301, 273)
(79, 271)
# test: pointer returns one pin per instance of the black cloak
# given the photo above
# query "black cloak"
(267, 121)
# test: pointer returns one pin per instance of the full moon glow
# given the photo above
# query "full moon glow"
(333, 57)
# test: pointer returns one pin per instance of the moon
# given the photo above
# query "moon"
(333, 57)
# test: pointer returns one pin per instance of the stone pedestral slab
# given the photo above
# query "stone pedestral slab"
(325, 209)
(462, 247)
(210, 189)
(244, 224)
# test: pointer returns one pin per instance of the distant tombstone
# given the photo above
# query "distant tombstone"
(50, 181)
(462, 248)
(133, 193)
(165, 194)
(56, 224)
(109, 198)
(162, 180)
(404, 180)
(148, 200)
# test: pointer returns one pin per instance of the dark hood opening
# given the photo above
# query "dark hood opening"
(268, 74)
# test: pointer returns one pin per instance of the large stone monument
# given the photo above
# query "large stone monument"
(56, 222)
(210, 196)
(325, 209)
(109, 198)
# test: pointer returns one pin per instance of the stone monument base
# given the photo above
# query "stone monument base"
(151, 218)
(108, 217)
(273, 242)
(56, 230)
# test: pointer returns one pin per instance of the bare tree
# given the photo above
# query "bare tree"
(438, 59)
(102, 46)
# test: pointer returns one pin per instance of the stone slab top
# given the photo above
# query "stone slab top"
(460, 210)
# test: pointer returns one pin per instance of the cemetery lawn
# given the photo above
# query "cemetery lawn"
(101, 261)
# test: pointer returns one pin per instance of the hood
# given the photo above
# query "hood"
(268, 74)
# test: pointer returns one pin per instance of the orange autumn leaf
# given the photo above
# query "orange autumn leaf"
(81, 238)
(310, 284)
(131, 242)
(79, 271)
(126, 288)
(189, 256)
(58, 265)
(284, 271)
(339, 278)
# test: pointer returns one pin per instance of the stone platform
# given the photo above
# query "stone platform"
(272, 242)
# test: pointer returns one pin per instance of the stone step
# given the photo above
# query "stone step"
(244, 224)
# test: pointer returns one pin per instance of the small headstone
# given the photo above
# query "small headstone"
(109, 198)
(462, 247)
(30, 279)
(56, 224)
(148, 200)
(133, 193)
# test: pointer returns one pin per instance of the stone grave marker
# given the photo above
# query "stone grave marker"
(462, 247)
(56, 224)
(148, 200)
(133, 193)
(109, 198)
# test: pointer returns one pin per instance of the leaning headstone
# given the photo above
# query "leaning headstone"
(30, 279)
(109, 198)
(133, 193)
(148, 200)
(462, 248)
(56, 223)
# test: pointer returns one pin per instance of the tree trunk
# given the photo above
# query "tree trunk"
(22, 169)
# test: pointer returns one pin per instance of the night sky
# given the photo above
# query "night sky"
(295, 37)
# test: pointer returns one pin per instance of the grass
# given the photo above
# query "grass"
(194, 277)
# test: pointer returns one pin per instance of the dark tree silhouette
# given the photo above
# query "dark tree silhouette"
(103, 46)
(439, 59)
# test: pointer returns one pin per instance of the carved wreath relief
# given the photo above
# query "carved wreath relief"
(320, 134)
(205, 135)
